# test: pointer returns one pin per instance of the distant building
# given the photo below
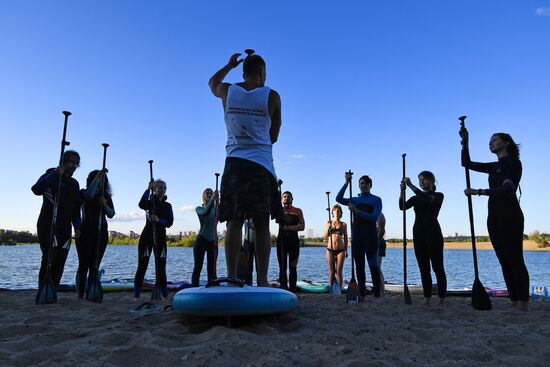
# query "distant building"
(309, 233)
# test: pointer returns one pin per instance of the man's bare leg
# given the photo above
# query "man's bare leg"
(263, 249)
(233, 241)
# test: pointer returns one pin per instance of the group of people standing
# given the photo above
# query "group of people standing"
(250, 193)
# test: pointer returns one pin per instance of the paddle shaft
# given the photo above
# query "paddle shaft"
(329, 221)
(64, 143)
(152, 208)
(404, 202)
(100, 216)
(351, 225)
(216, 213)
(470, 207)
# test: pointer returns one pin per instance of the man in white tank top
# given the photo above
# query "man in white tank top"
(248, 189)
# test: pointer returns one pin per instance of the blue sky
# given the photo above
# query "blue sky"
(361, 83)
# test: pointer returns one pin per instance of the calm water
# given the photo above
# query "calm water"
(19, 266)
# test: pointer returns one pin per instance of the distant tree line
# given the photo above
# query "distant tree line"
(8, 237)
(541, 239)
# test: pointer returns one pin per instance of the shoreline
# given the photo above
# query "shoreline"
(528, 245)
(324, 331)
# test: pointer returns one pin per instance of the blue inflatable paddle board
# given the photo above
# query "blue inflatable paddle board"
(226, 297)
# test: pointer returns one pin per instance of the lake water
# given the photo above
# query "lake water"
(19, 266)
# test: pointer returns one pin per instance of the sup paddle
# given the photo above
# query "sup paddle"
(156, 293)
(216, 213)
(46, 289)
(406, 293)
(352, 294)
(94, 292)
(480, 298)
(334, 287)
(242, 264)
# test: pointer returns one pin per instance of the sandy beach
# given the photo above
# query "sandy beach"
(324, 331)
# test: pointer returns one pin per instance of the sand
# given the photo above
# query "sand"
(324, 331)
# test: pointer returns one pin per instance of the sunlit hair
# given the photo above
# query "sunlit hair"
(513, 148)
(430, 176)
(338, 208)
(252, 64)
(90, 179)
(157, 183)
(204, 198)
(367, 179)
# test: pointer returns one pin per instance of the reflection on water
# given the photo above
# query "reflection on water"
(19, 266)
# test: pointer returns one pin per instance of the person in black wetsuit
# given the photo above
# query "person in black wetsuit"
(505, 218)
(288, 243)
(206, 237)
(68, 212)
(366, 209)
(163, 218)
(428, 239)
(86, 244)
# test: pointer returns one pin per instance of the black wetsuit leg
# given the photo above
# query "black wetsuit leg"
(422, 253)
(365, 246)
(144, 253)
(436, 256)
(160, 267)
(59, 253)
(293, 246)
(84, 251)
(358, 251)
(282, 254)
(199, 249)
(506, 233)
(371, 252)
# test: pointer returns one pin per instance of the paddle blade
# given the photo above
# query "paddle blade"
(46, 292)
(352, 294)
(408, 300)
(480, 298)
(94, 293)
(335, 288)
(156, 294)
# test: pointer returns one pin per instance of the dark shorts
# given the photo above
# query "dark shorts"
(248, 190)
(382, 248)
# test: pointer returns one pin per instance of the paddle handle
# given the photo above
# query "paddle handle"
(64, 142)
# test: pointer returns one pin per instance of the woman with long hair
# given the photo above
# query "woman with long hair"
(93, 201)
(205, 239)
(337, 247)
(505, 218)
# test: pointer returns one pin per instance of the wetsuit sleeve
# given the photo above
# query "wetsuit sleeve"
(109, 208)
(45, 181)
(475, 166)
(340, 197)
(408, 204)
(167, 222)
(204, 211)
(145, 203)
(301, 223)
(76, 219)
(90, 191)
(377, 209)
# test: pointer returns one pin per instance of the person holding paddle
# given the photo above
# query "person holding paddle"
(163, 218)
(428, 239)
(505, 218)
(248, 188)
(337, 249)
(205, 239)
(366, 209)
(86, 245)
(68, 213)
(288, 242)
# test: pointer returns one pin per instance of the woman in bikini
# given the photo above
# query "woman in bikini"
(337, 248)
